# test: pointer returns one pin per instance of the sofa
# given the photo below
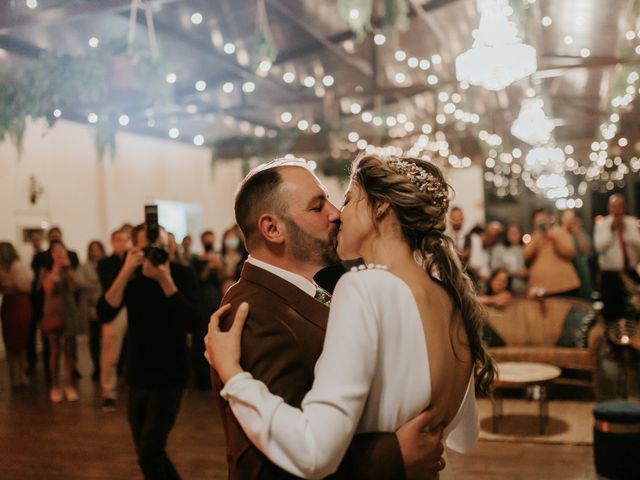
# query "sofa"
(561, 331)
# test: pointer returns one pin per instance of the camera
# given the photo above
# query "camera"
(156, 254)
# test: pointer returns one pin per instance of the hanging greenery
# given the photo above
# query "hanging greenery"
(396, 15)
(357, 13)
(262, 47)
(114, 79)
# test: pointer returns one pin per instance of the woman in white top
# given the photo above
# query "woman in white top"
(403, 333)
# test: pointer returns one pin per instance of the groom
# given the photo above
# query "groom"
(289, 227)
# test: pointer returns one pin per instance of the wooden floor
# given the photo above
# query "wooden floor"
(39, 440)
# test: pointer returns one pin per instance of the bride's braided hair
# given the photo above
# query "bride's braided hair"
(419, 196)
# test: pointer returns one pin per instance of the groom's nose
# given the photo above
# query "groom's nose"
(334, 213)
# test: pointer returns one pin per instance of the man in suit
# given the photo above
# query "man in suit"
(289, 227)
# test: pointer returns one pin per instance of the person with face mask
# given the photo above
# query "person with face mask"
(233, 256)
(208, 268)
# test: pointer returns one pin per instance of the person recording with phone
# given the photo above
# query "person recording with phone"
(549, 255)
(161, 301)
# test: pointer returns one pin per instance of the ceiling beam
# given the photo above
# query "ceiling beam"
(579, 62)
(64, 13)
(208, 52)
(338, 38)
(308, 25)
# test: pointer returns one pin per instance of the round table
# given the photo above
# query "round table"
(522, 375)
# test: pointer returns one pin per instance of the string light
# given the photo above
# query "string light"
(201, 85)
(171, 78)
(288, 77)
(379, 39)
(94, 42)
(227, 87)
(286, 117)
(229, 48)
(248, 87)
(123, 120)
(92, 118)
(327, 80)
(198, 140)
(174, 133)
(196, 18)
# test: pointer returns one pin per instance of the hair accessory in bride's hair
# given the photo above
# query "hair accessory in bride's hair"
(425, 182)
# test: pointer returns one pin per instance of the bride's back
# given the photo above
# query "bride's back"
(447, 343)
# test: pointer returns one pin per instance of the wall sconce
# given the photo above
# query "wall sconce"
(35, 190)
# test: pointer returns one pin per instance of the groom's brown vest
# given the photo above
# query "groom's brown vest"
(281, 342)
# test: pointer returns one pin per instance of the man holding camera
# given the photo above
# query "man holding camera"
(161, 301)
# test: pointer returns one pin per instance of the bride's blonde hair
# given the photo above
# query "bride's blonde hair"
(418, 193)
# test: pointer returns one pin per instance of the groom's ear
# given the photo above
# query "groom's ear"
(271, 228)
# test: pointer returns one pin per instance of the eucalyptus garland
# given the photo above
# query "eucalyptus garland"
(81, 84)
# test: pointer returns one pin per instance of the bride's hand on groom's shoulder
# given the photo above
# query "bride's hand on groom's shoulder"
(222, 349)
(421, 447)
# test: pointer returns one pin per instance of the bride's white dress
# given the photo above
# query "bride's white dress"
(373, 376)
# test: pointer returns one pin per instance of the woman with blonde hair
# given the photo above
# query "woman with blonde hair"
(15, 285)
(403, 331)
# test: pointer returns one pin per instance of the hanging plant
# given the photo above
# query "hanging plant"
(357, 14)
(111, 80)
(262, 47)
(396, 15)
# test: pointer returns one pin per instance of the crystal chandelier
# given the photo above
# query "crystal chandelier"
(498, 57)
(545, 159)
(532, 125)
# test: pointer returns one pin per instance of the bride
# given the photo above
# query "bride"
(403, 332)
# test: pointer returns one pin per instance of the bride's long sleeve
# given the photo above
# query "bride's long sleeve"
(310, 442)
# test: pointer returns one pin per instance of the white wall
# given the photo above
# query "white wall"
(88, 198)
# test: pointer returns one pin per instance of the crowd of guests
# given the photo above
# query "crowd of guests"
(557, 257)
(55, 298)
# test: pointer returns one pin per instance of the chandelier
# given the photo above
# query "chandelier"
(498, 57)
(532, 125)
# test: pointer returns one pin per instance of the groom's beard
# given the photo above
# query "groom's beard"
(308, 249)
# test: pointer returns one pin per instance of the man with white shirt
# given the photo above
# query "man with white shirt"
(616, 239)
(289, 227)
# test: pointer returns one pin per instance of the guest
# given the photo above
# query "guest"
(509, 255)
(15, 285)
(582, 245)
(498, 293)
(89, 293)
(113, 332)
(209, 270)
(42, 260)
(455, 229)
(617, 242)
(233, 256)
(187, 257)
(479, 247)
(172, 248)
(60, 320)
(549, 255)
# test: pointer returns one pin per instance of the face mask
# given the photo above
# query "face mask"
(208, 247)
(232, 243)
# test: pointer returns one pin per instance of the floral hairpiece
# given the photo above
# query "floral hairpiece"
(425, 181)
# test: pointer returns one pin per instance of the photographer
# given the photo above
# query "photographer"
(160, 298)
(549, 255)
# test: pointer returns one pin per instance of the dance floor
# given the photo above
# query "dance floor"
(69, 441)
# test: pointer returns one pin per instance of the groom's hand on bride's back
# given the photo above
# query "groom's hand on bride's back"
(421, 447)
